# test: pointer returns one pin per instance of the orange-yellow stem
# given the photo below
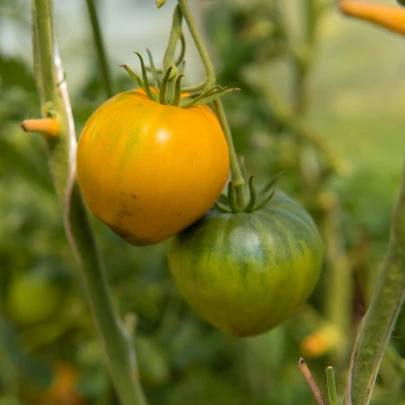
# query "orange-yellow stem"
(390, 17)
(49, 127)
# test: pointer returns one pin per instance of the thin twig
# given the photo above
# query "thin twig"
(302, 364)
(99, 43)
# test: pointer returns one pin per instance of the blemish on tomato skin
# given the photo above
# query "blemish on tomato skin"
(134, 196)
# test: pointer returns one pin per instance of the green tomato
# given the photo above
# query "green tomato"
(32, 298)
(246, 273)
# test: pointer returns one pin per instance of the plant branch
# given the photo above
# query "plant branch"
(302, 364)
(99, 43)
(376, 327)
(61, 153)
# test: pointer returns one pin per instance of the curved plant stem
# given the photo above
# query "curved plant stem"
(376, 327)
(237, 178)
(118, 348)
(210, 76)
(175, 35)
(98, 41)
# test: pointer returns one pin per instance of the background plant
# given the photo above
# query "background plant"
(297, 112)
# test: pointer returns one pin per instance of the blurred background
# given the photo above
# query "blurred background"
(323, 98)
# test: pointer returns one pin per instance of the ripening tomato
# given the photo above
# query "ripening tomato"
(149, 170)
(246, 273)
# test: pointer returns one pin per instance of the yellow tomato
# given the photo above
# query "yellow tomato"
(149, 170)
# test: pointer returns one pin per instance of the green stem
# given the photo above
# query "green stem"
(339, 290)
(312, 19)
(117, 346)
(98, 41)
(237, 178)
(43, 50)
(210, 76)
(376, 327)
(330, 378)
(303, 58)
(175, 35)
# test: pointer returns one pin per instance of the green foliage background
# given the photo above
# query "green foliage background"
(355, 103)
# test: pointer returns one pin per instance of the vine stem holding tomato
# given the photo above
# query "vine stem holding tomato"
(117, 345)
(237, 177)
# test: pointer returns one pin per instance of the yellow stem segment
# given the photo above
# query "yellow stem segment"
(390, 17)
(49, 127)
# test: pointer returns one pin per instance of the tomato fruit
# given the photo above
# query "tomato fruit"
(149, 170)
(245, 273)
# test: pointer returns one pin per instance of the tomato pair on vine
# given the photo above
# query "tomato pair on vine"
(151, 163)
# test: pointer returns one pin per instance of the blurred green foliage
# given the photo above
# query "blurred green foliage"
(45, 326)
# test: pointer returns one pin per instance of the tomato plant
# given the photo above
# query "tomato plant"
(149, 170)
(245, 272)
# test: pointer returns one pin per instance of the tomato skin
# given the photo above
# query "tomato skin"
(247, 273)
(149, 170)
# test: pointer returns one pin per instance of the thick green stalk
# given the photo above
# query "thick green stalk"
(376, 327)
(117, 345)
(98, 41)
(237, 178)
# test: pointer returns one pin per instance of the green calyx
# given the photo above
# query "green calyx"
(167, 88)
(258, 198)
